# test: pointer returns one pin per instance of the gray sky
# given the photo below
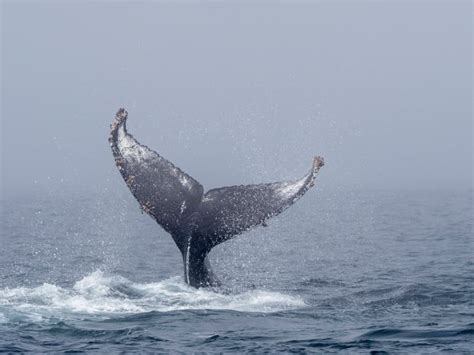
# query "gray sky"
(239, 93)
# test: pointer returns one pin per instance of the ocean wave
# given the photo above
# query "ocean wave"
(417, 333)
(100, 295)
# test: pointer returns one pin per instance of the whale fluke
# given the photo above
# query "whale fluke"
(164, 191)
(229, 211)
(197, 221)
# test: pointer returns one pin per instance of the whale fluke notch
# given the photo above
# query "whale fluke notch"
(197, 221)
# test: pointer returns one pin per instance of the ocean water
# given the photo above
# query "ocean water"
(340, 271)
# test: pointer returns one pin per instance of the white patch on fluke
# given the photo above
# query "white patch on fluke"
(129, 147)
(207, 198)
(185, 181)
(183, 207)
(188, 249)
(289, 190)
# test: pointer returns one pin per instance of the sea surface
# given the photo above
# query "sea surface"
(340, 271)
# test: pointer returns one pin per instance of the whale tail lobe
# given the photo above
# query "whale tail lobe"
(197, 221)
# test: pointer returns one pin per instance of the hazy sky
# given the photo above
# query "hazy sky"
(239, 93)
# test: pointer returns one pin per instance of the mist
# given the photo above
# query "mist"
(237, 93)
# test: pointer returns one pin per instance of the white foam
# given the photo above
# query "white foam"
(99, 295)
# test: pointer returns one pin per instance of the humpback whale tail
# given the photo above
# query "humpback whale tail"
(197, 221)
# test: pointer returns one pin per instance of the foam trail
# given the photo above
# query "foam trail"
(98, 295)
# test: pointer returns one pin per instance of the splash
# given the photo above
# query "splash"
(100, 296)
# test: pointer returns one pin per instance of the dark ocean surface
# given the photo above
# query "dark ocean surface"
(373, 271)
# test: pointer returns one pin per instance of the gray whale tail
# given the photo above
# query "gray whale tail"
(197, 220)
